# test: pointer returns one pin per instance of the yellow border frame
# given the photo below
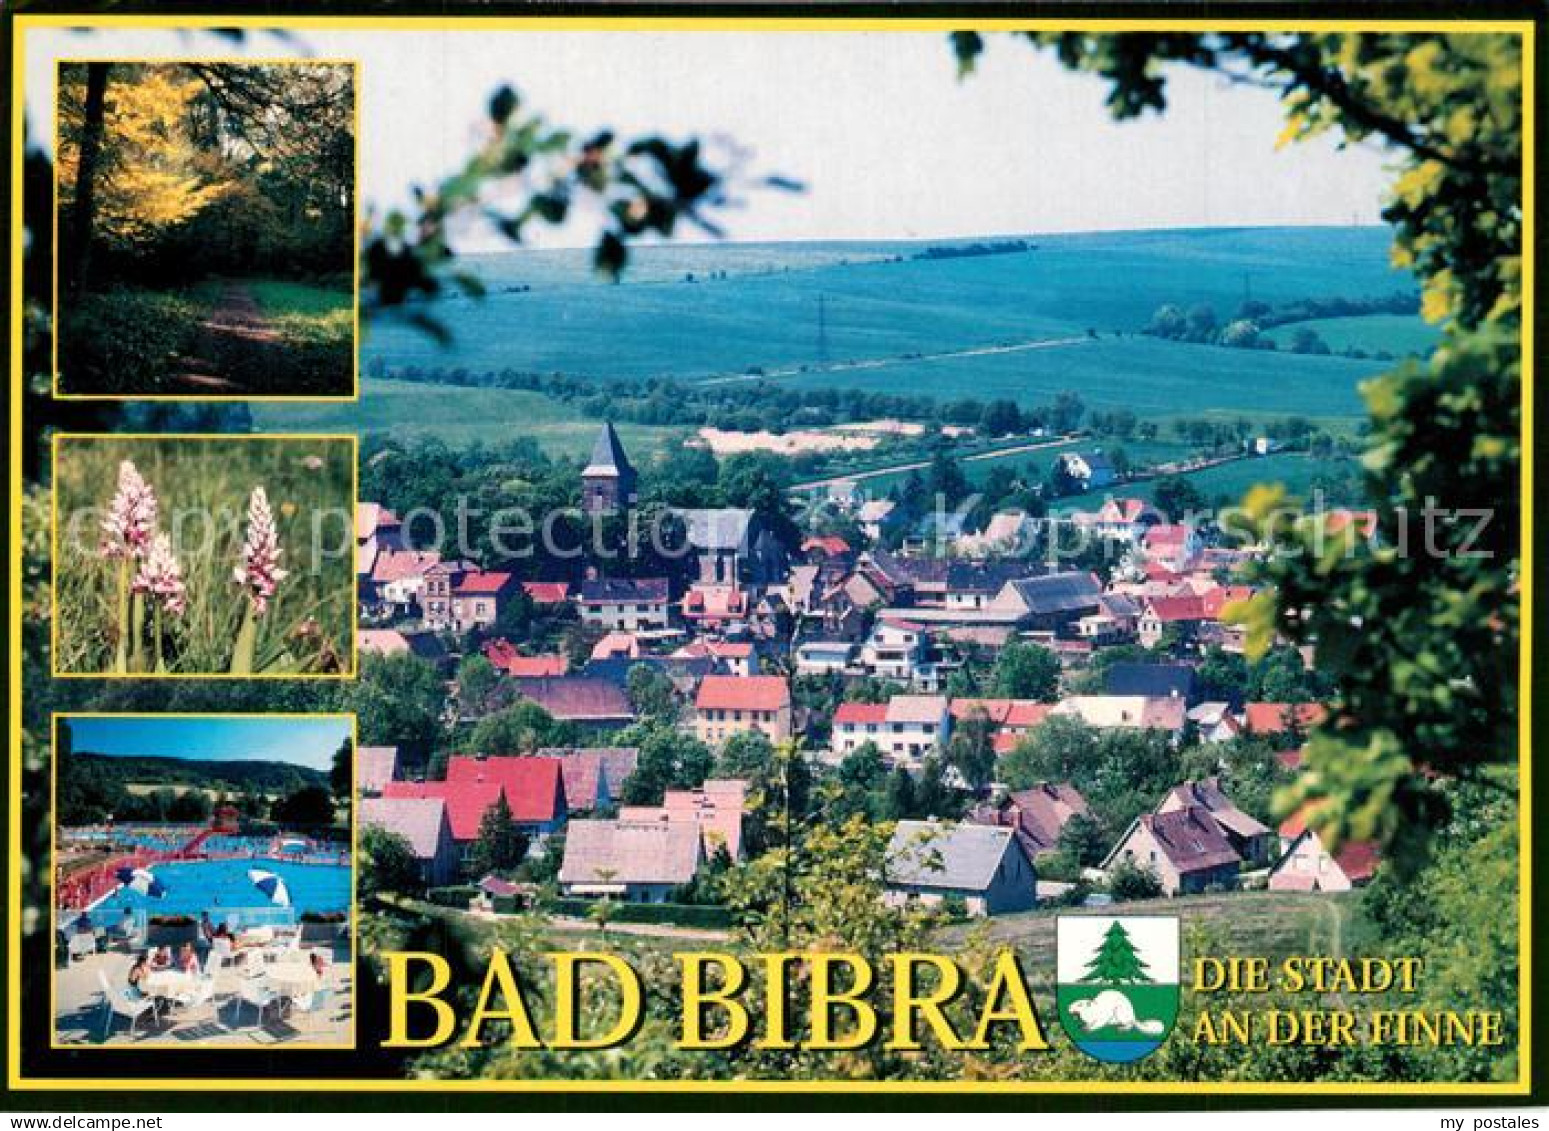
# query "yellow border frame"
(355, 229)
(53, 872)
(349, 438)
(1522, 1086)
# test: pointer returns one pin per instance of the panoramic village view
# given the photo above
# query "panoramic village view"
(906, 586)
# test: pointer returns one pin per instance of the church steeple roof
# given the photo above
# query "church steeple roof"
(608, 458)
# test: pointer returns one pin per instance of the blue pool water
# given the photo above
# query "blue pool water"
(211, 885)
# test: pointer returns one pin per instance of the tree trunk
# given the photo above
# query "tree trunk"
(86, 175)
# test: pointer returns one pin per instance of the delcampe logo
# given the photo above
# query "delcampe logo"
(1117, 983)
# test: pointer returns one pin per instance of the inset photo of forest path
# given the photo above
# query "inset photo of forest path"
(206, 229)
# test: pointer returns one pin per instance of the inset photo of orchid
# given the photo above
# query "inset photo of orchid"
(204, 556)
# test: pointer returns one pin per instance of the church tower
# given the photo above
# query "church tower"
(608, 482)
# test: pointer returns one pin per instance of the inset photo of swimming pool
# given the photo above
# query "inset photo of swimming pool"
(204, 881)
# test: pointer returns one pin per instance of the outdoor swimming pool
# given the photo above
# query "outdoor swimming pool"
(210, 885)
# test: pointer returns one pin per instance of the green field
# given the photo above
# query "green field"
(459, 417)
(1295, 470)
(1064, 316)
(1396, 334)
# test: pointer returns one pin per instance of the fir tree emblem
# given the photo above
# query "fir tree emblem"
(1117, 984)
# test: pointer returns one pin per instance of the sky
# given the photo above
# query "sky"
(888, 141)
(301, 741)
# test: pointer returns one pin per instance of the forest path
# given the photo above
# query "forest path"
(233, 348)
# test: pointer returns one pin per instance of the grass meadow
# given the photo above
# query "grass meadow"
(203, 489)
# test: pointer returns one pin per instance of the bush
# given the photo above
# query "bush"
(457, 895)
(1127, 881)
(676, 914)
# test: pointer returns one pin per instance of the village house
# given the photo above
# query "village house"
(897, 650)
(1250, 839)
(817, 656)
(422, 822)
(1010, 720)
(1116, 620)
(375, 766)
(635, 861)
(478, 597)
(1172, 544)
(502, 654)
(376, 529)
(1125, 712)
(549, 594)
(905, 729)
(1307, 865)
(1037, 816)
(594, 776)
(624, 604)
(727, 705)
(396, 584)
(1125, 520)
(1214, 722)
(717, 809)
(732, 546)
(1090, 470)
(984, 867)
(714, 608)
(1051, 603)
(593, 705)
(1282, 718)
(534, 788)
(1153, 681)
(1186, 849)
(1008, 533)
(737, 657)
(1179, 615)
(465, 804)
(398, 642)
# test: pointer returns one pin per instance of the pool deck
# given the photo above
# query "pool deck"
(222, 1022)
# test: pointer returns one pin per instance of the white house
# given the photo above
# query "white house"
(906, 728)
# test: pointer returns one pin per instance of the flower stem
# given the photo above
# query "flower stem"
(121, 656)
(137, 633)
(247, 642)
(156, 628)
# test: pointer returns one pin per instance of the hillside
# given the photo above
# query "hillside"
(1066, 314)
(245, 776)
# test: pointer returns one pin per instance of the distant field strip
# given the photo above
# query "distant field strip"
(921, 465)
(905, 359)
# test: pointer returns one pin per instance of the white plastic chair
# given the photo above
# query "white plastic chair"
(253, 992)
(121, 1003)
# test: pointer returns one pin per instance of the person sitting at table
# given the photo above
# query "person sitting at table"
(319, 966)
(83, 925)
(187, 960)
(161, 958)
(206, 927)
(136, 977)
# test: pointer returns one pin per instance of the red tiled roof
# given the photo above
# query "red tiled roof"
(395, 565)
(547, 592)
(1191, 838)
(578, 697)
(533, 786)
(1171, 609)
(503, 654)
(1167, 534)
(1216, 599)
(856, 714)
(830, 544)
(743, 693)
(466, 802)
(1272, 718)
(481, 581)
